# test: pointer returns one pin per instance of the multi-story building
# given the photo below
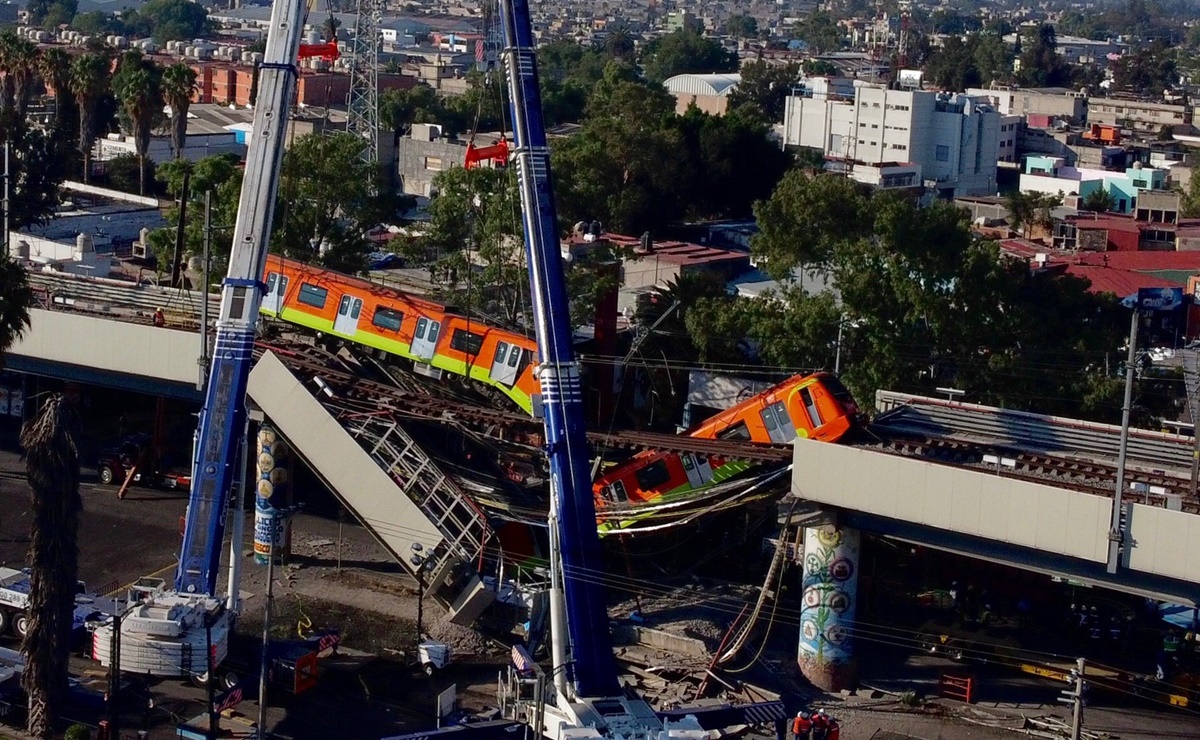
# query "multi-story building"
(1053, 176)
(899, 138)
(1137, 114)
(1055, 102)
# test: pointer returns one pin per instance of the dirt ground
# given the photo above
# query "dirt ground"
(375, 606)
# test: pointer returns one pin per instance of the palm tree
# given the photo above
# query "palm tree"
(89, 82)
(18, 59)
(619, 43)
(15, 299)
(51, 450)
(178, 85)
(331, 27)
(138, 87)
(54, 67)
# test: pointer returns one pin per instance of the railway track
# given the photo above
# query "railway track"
(1034, 433)
(359, 395)
(1156, 488)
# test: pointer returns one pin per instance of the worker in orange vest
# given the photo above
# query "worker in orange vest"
(801, 726)
(834, 732)
(820, 725)
(160, 318)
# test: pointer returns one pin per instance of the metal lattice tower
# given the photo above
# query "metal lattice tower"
(363, 101)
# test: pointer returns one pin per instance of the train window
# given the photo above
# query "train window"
(737, 431)
(311, 295)
(515, 356)
(837, 389)
(810, 407)
(272, 278)
(653, 475)
(386, 318)
(422, 325)
(344, 305)
(465, 341)
(501, 352)
(356, 309)
(617, 491)
(433, 330)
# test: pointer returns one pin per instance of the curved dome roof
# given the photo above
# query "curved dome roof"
(709, 84)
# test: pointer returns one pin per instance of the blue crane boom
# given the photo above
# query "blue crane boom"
(222, 420)
(593, 669)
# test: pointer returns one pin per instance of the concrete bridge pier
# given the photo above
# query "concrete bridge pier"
(828, 604)
(270, 530)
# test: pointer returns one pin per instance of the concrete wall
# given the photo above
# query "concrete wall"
(1164, 542)
(92, 342)
(971, 502)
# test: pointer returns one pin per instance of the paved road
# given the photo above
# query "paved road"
(119, 540)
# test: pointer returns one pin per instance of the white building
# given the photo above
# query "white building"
(900, 138)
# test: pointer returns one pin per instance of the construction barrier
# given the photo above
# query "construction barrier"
(959, 688)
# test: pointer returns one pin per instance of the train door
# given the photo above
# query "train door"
(425, 339)
(615, 492)
(506, 363)
(698, 469)
(778, 423)
(277, 284)
(349, 309)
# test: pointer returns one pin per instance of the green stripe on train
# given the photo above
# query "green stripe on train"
(391, 346)
(681, 493)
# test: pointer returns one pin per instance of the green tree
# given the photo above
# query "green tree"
(475, 235)
(742, 26)
(800, 224)
(923, 302)
(1041, 64)
(819, 68)
(171, 20)
(419, 104)
(138, 85)
(733, 162)
(620, 43)
(1148, 70)
(54, 68)
(18, 59)
(178, 86)
(766, 87)
(953, 66)
(51, 13)
(329, 198)
(1189, 200)
(992, 57)
(51, 446)
(621, 167)
(1099, 201)
(1027, 210)
(37, 168)
(683, 52)
(820, 31)
(218, 174)
(89, 82)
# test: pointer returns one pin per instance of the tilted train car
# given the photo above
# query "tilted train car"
(435, 338)
(814, 406)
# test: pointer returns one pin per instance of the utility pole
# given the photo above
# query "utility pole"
(1115, 535)
(203, 361)
(179, 231)
(1074, 697)
(7, 157)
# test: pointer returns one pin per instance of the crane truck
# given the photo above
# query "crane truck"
(170, 632)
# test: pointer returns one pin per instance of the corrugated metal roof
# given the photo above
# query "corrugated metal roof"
(709, 84)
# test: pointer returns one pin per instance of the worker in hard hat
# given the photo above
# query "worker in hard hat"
(820, 725)
(160, 318)
(801, 726)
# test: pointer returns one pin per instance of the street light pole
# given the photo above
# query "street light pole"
(1115, 535)
(419, 562)
(837, 360)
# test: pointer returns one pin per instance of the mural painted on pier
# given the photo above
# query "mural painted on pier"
(271, 484)
(830, 591)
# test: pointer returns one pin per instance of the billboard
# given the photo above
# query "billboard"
(1159, 299)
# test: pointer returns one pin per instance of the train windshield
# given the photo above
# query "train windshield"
(838, 390)
(653, 475)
